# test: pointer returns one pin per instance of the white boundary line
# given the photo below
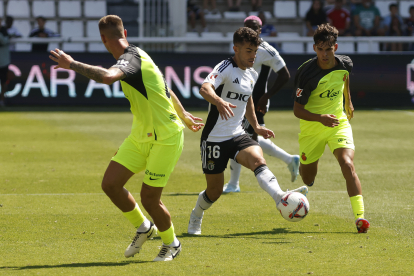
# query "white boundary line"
(177, 193)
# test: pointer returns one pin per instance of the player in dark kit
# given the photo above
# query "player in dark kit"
(228, 89)
(321, 85)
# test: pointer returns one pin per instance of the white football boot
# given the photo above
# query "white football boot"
(293, 168)
(230, 188)
(194, 225)
(303, 190)
(139, 239)
(168, 253)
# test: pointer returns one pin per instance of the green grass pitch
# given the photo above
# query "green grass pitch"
(55, 219)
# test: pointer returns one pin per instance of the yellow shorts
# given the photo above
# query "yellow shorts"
(158, 158)
(312, 146)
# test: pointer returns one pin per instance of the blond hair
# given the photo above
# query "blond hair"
(111, 26)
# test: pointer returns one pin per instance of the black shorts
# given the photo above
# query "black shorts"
(216, 155)
(248, 128)
(3, 73)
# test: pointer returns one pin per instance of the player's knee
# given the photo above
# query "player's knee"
(108, 186)
(347, 165)
(259, 162)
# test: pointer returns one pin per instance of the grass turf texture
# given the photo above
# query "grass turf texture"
(54, 218)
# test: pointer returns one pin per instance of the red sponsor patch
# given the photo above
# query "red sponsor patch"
(213, 76)
(299, 92)
(303, 156)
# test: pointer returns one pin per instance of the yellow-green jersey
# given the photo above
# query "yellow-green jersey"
(321, 91)
(144, 86)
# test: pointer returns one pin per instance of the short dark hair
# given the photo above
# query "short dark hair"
(41, 17)
(411, 8)
(245, 34)
(325, 33)
(392, 5)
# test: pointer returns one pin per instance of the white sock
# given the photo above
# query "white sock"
(235, 169)
(145, 226)
(268, 182)
(203, 203)
(176, 242)
(271, 149)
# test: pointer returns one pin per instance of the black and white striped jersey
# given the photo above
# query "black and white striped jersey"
(235, 86)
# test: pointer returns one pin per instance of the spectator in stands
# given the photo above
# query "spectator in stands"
(256, 5)
(340, 18)
(366, 19)
(395, 29)
(193, 13)
(409, 27)
(234, 8)
(4, 61)
(386, 22)
(41, 31)
(214, 9)
(314, 17)
(12, 31)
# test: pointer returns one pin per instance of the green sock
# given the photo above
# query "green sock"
(168, 235)
(357, 203)
(136, 217)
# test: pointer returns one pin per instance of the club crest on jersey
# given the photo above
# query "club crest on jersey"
(299, 92)
(210, 165)
(122, 62)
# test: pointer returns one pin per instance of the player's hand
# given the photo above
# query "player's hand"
(349, 110)
(224, 108)
(262, 104)
(191, 123)
(63, 60)
(266, 133)
(329, 120)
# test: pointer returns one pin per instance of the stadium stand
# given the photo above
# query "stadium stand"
(78, 18)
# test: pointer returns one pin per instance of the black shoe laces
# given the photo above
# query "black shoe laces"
(163, 251)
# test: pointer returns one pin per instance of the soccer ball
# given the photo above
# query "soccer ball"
(293, 206)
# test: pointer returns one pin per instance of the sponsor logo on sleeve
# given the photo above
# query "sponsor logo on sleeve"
(299, 92)
(122, 62)
(213, 76)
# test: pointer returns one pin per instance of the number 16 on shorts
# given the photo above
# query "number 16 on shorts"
(211, 158)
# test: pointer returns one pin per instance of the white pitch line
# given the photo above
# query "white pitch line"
(176, 193)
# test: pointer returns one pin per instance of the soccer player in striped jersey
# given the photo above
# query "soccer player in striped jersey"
(321, 84)
(156, 140)
(228, 89)
(267, 58)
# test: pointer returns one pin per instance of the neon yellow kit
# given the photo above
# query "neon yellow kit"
(321, 91)
(156, 140)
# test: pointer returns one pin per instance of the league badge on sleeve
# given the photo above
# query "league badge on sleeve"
(299, 92)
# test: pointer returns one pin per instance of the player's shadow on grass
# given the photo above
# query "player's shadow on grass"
(180, 194)
(260, 234)
(72, 265)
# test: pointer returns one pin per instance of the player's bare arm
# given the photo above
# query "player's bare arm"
(96, 73)
(187, 117)
(328, 120)
(283, 77)
(224, 108)
(349, 108)
(251, 117)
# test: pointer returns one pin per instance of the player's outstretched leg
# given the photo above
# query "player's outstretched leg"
(271, 149)
(233, 185)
